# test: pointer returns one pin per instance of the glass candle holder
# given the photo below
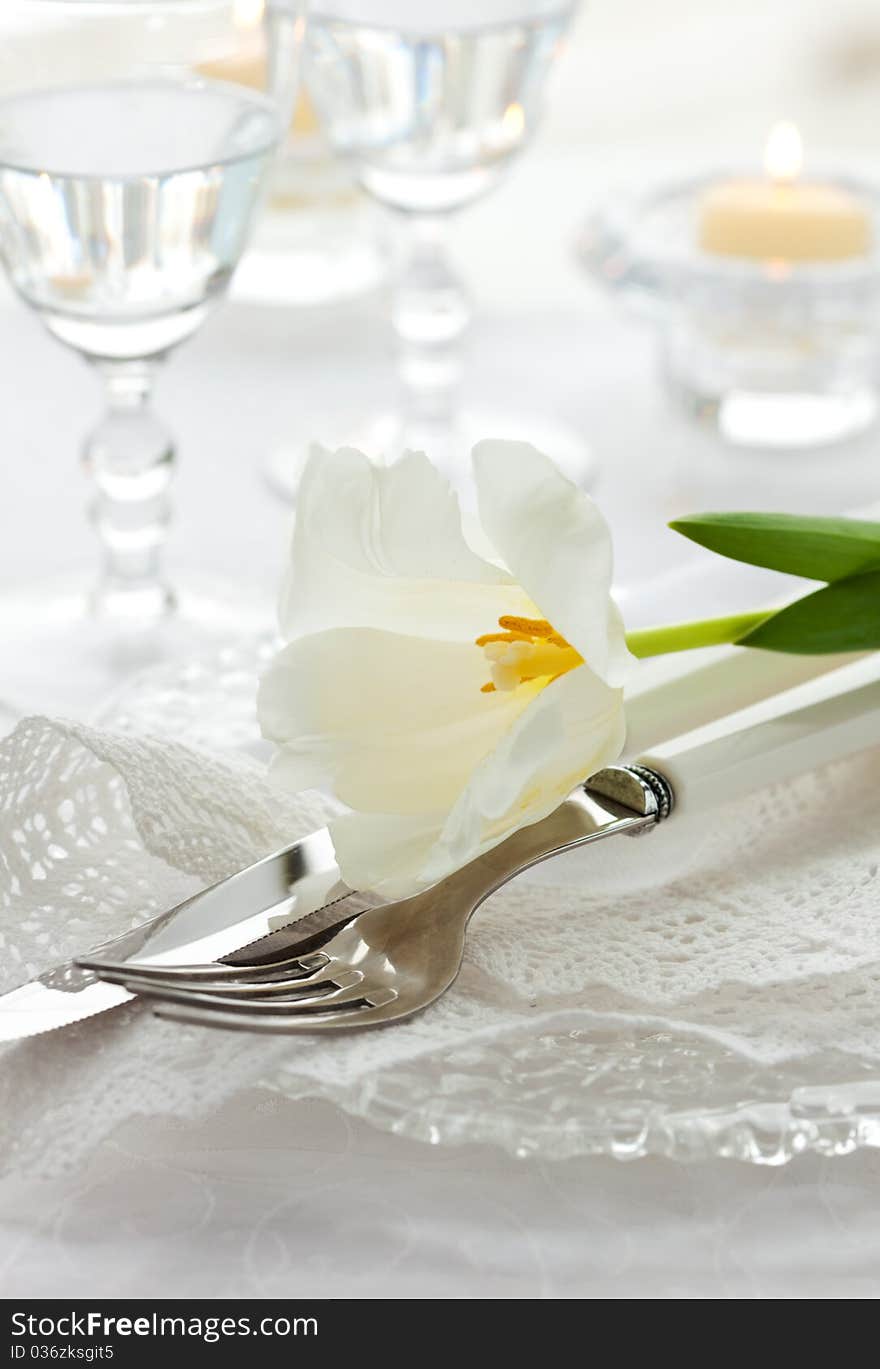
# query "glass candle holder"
(772, 354)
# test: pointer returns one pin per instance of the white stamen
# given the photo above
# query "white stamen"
(505, 677)
(505, 661)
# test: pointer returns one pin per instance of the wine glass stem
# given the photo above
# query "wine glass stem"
(130, 457)
(430, 312)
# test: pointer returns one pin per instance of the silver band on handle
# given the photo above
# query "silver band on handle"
(636, 787)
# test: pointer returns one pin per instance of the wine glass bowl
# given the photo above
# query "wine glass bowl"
(432, 119)
(121, 250)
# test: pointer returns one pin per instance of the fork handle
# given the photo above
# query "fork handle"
(618, 799)
(773, 741)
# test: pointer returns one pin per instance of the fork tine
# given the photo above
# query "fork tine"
(249, 990)
(114, 971)
(346, 989)
(136, 982)
(307, 1023)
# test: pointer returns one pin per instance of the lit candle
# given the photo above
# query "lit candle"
(782, 217)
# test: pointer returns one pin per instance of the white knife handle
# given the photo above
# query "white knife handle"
(774, 740)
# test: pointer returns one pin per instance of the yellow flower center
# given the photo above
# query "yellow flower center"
(525, 649)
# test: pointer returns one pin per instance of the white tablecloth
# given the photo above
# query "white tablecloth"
(275, 1198)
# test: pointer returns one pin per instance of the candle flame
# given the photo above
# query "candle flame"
(514, 121)
(784, 153)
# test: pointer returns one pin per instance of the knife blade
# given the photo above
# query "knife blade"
(293, 883)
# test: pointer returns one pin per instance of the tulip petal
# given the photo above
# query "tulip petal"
(573, 728)
(382, 546)
(392, 723)
(385, 853)
(556, 544)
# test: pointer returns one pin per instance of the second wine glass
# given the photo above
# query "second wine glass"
(431, 105)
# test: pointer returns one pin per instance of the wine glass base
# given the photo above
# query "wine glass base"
(60, 655)
(387, 437)
(782, 422)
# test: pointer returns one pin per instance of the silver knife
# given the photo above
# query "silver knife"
(294, 883)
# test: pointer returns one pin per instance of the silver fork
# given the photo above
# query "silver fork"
(391, 959)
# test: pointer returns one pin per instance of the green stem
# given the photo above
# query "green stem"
(655, 641)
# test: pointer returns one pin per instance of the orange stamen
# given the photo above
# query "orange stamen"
(532, 627)
(528, 649)
(502, 637)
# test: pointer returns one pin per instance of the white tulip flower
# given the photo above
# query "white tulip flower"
(447, 698)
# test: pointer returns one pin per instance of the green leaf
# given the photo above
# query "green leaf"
(816, 548)
(841, 617)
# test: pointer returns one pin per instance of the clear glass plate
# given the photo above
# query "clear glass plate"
(574, 1089)
(773, 355)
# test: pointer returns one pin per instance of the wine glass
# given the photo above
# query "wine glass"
(132, 161)
(431, 104)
